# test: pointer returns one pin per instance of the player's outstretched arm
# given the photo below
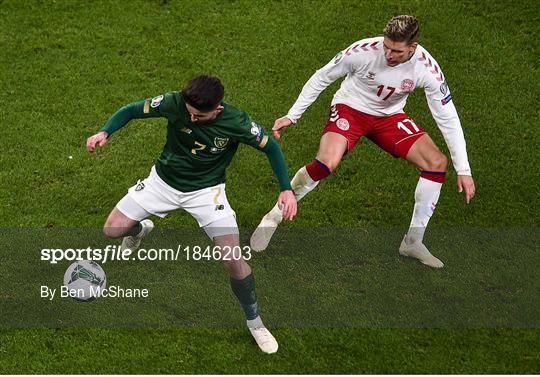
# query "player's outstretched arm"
(286, 199)
(135, 110)
(465, 184)
(99, 138)
(279, 124)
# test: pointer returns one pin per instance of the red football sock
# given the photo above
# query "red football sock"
(317, 170)
(435, 176)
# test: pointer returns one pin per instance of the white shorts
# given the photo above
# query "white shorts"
(154, 196)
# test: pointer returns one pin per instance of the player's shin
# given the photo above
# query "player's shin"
(244, 290)
(426, 196)
(302, 183)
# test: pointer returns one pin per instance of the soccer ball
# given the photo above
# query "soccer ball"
(84, 280)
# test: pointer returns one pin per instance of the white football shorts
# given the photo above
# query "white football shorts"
(154, 196)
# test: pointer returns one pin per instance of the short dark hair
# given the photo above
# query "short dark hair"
(203, 92)
(402, 29)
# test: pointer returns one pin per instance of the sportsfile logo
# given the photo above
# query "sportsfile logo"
(110, 252)
(117, 253)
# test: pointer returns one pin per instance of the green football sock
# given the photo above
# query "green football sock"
(244, 290)
(135, 230)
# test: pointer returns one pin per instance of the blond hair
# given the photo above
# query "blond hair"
(402, 29)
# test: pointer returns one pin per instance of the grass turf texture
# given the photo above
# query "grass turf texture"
(68, 65)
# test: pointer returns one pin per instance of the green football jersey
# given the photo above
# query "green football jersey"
(195, 156)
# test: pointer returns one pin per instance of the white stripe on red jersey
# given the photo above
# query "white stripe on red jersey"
(373, 87)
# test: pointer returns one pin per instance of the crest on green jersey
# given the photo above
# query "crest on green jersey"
(221, 142)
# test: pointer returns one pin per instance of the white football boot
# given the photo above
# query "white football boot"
(419, 251)
(265, 340)
(265, 230)
(133, 242)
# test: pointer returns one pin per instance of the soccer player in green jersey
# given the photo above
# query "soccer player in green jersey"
(203, 133)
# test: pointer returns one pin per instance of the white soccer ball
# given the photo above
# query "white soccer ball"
(84, 280)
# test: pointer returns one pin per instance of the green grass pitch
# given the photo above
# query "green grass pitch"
(66, 66)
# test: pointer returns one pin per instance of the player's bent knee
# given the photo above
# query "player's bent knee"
(237, 268)
(112, 231)
(435, 162)
(117, 224)
(331, 164)
(438, 163)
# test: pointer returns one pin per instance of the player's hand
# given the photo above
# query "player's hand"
(99, 138)
(279, 124)
(287, 204)
(466, 183)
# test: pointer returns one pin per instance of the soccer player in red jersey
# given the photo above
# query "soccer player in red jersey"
(380, 73)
